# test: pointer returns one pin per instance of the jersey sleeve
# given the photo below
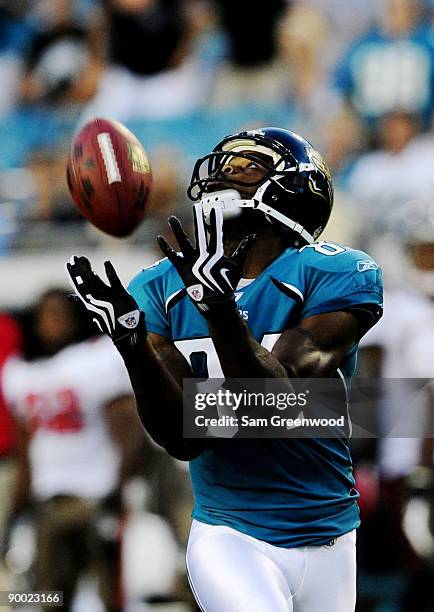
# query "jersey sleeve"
(110, 371)
(338, 278)
(148, 288)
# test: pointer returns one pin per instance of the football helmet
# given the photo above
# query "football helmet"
(296, 191)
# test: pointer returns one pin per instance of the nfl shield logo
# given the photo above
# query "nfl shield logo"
(130, 319)
(195, 292)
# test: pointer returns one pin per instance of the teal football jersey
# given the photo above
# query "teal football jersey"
(288, 492)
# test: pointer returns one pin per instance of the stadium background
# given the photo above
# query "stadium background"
(356, 77)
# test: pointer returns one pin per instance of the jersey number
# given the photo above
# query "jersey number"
(203, 358)
(58, 412)
(325, 248)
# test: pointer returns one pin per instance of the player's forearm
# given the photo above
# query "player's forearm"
(240, 355)
(158, 394)
(126, 433)
(159, 400)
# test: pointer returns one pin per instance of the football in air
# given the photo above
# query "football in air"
(109, 176)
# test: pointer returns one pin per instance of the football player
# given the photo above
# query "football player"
(78, 437)
(255, 295)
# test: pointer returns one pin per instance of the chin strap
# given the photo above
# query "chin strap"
(231, 203)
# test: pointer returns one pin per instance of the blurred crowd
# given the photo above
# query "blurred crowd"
(355, 77)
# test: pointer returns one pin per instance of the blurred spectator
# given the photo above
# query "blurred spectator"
(64, 58)
(251, 33)
(52, 199)
(16, 190)
(14, 38)
(347, 19)
(35, 198)
(391, 67)
(251, 71)
(383, 181)
(304, 35)
(79, 439)
(167, 196)
(342, 140)
(153, 71)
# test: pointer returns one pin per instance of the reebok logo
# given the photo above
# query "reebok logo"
(362, 266)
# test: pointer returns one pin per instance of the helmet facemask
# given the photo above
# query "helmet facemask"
(208, 175)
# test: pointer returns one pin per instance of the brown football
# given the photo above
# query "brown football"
(109, 176)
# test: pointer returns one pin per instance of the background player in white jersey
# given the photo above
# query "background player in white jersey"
(405, 336)
(274, 520)
(79, 435)
(401, 347)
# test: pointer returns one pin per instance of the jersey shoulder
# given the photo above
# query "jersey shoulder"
(158, 270)
(335, 257)
(325, 259)
(153, 289)
(329, 276)
(159, 280)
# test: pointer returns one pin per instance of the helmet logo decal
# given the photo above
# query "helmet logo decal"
(319, 163)
(314, 188)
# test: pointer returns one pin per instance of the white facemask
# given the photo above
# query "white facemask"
(230, 201)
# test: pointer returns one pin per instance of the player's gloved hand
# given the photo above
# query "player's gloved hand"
(209, 275)
(113, 310)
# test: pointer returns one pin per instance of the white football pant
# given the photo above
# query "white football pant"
(233, 572)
